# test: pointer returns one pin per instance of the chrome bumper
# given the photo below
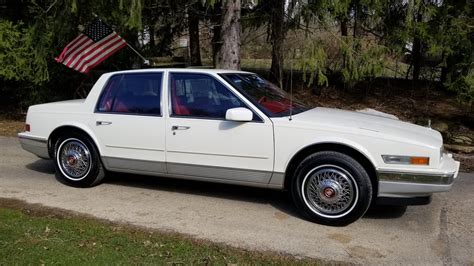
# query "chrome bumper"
(394, 183)
(36, 145)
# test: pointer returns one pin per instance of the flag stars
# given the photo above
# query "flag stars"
(97, 30)
(96, 43)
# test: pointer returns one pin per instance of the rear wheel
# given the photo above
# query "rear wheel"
(77, 161)
(331, 188)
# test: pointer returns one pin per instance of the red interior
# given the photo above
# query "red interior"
(121, 107)
(178, 107)
(277, 106)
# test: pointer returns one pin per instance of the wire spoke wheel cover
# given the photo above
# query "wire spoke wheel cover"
(74, 159)
(330, 191)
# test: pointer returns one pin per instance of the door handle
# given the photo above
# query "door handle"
(180, 128)
(103, 123)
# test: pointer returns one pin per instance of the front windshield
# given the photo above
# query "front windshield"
(268, 97)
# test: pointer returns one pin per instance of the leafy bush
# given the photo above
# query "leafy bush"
(464, 87)
(19, 59)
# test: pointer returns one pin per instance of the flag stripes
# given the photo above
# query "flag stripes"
(91, 47)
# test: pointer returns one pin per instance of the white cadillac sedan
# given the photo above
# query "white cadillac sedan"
(235, 127)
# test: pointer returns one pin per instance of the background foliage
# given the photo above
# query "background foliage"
(331, 42)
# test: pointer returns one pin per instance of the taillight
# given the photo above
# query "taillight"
(27, 127)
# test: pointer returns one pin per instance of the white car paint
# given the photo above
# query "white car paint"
(257, 153)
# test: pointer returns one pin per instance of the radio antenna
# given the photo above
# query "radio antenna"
(291, 85)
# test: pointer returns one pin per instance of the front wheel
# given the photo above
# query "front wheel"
(77, 161)
(331, 188)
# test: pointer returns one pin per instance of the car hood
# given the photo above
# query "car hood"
(369, 124)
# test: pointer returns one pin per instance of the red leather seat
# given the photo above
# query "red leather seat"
(178, 107)
(120, 107)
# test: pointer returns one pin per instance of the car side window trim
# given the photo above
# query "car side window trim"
(170, 107)
(96, 109)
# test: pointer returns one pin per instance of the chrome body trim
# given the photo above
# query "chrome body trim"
(133, 148)
(435, 179)
(36, 145)
(277, 180)
(219, 154)
(405, 185)
(200, 178)
(126, 165)
(404, 189)
(225, 175)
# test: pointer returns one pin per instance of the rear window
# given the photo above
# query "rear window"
(132, 94)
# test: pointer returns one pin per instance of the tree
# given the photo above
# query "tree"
(278, 34)
(415, 20)
(451, 39)
(193, 31)
(228, 54)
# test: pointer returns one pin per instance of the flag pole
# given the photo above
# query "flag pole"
(145, 61)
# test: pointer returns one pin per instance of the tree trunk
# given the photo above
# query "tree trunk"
(357, 14)
(416, 53)
(228, 55)
(216, 31)
(277, 38)
(151, 31)
(416, 58)
(445, 69)
(194, 46)
(216, 43)
(344, 31)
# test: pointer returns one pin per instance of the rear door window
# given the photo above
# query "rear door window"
(137, 93)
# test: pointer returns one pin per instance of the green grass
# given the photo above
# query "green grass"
(36, 237)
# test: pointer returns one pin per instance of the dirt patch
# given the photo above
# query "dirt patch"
(341, 238)
(467, 162)
(364, 253)
(11, 128)
(37, 210)
(281, 216)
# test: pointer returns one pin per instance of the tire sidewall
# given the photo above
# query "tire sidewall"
(95, 172)
(348, 164)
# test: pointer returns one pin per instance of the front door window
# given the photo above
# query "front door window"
(201, 96)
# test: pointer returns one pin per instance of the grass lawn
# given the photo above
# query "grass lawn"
(32, 234)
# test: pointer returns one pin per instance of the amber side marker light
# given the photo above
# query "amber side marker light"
(420, 160)
(27, 127)
(413, 160)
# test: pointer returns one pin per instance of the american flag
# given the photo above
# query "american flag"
(95, 44)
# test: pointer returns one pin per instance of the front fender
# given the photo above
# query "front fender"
(337, 141)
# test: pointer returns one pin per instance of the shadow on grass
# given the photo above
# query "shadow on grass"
(281, 200)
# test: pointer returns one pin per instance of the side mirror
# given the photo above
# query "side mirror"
(239, 114)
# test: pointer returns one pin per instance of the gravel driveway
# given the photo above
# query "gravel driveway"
(439, 233)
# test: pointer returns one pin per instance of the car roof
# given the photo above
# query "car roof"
(191, 70)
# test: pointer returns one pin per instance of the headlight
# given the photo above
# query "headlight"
(396, 159)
